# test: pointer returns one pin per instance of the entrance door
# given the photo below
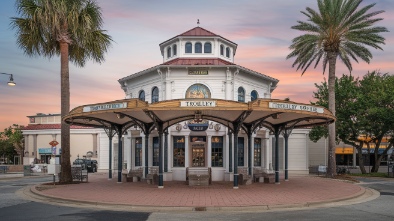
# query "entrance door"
(198, 151)
(198, 157)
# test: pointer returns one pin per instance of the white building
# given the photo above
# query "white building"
(196, 64)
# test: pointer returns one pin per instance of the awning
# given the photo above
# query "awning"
(268, 113)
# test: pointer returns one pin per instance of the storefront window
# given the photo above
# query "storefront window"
(155, 151)
(257, 152)
(217, 151)
(138, 151)
(241, 151)
(179, 152)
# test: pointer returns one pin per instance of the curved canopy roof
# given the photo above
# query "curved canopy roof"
(269, 113)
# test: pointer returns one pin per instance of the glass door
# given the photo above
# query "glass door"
(198, 157)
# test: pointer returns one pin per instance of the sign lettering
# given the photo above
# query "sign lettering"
(288, 106)
(198, 103)
(104, 107)
(198, 72)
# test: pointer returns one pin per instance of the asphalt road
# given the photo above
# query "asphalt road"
(14, 205)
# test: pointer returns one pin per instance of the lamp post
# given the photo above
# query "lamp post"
(11, 81)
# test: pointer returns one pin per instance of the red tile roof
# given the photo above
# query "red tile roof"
(198, 31)
(50, 126)
(198, 61)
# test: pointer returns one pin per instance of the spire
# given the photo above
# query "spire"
(198, 22)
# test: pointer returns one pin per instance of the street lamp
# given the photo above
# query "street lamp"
(11, 82)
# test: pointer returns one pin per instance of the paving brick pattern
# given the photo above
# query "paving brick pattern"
(299, 190)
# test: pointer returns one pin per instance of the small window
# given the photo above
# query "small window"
(207, 48)
(155, 95)
(141, 95)
(241, 94)
(198, 48)
(188, 47)
(174, 50)
(254, 95)
(222, 50)
(168, 52)
(228, 52)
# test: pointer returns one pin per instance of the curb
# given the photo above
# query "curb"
(252, 208)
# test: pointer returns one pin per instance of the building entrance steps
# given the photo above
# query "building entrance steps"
(299, 190)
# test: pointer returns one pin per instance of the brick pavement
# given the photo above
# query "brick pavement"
(298, 191)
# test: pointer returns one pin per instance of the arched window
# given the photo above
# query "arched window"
(207, 47)
(188, 47)
(254, 95)
(198, 48)
(174, 50)
(228, 52)
(198, 91)
(241, 94)
(141, 95)
(155, 95)
(168, 52)
(222, 50)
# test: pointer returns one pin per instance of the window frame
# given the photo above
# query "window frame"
(210, 48)
(221, 50)
(139, 95)
(241, 151)
(255, 97)
(169, 52)
(155, 97)
(241, 98)
(217, 151)
(174, 50)
(257, 150)
(198, 50)
(155, 151)
(178, 154)
(228, 52)
(186, 47)
(138, 151)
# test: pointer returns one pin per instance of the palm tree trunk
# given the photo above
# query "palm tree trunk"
(65, 108)
(331, 167)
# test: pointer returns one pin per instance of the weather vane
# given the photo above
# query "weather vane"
(198, 22)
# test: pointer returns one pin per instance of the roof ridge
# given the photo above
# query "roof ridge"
(198, 27)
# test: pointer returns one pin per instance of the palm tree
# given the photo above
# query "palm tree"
(338, 29)
(71, 29)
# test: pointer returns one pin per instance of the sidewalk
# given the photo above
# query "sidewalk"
(298, 192)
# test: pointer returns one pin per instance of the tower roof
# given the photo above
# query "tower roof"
(198, 32)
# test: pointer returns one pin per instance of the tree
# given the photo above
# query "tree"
(12, 141)
(364, 113)
(71, 29)
(339, 29)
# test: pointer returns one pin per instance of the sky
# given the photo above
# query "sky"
(261, 28)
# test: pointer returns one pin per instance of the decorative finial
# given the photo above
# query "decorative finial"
(198, 22)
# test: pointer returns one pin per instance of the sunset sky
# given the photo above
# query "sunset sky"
(260, 28)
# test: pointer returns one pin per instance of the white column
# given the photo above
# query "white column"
(267, 154)
(130, 154)
(143, 151)
(187, 151)
(209, 152)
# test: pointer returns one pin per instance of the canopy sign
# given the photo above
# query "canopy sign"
(300, 107)
(104, 107)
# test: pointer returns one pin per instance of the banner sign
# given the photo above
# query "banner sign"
(298, 107)
(105, 107)
(199, 103)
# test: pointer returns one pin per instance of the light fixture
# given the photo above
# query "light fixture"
(119, 115)
(11, 81)
(275, 116)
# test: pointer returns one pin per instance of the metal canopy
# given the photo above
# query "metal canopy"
(269, 113)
